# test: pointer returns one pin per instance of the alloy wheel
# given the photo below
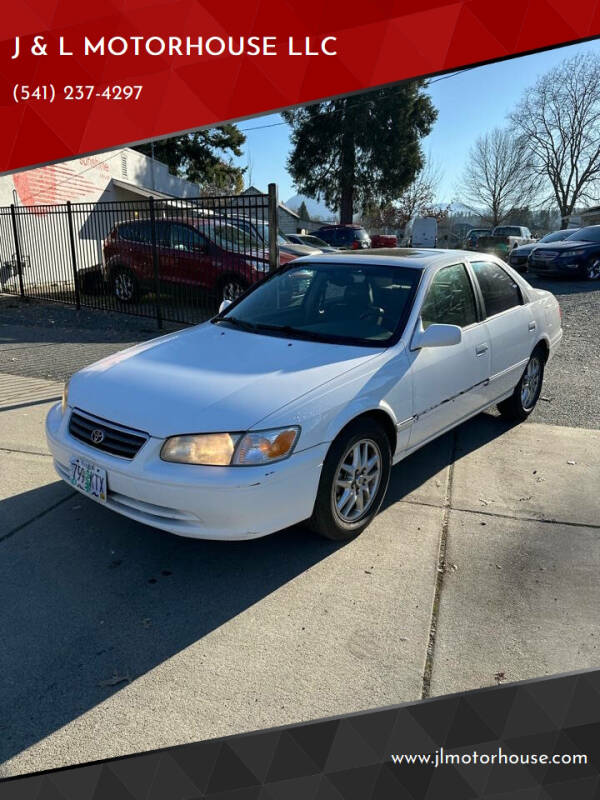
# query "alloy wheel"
(593, 270)
(124, 288)
(530, 382)
(357, 480)
(232, 290)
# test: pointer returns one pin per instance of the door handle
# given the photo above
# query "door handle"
(481, 349)
(532, 326)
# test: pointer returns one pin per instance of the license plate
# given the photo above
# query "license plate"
(88, 478)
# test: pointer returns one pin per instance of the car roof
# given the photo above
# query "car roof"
(416, 258)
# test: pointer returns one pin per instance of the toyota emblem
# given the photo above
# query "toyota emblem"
(97, 436)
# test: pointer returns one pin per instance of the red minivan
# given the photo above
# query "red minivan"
(203, 254)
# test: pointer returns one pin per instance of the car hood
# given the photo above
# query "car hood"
(564, 245)
(208, 378)
(524, 249)
(299, 249)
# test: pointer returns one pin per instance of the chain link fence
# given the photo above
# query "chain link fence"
(171, 259)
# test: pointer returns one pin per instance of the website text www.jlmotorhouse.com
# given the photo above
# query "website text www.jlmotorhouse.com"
(440, 758)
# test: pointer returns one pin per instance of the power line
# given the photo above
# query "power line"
(364, 102)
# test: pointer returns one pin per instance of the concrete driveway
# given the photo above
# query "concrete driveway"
(481, 567)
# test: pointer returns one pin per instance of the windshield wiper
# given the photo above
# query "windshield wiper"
(239, 323)
(287, 329)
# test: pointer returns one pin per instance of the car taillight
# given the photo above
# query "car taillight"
(355, 245)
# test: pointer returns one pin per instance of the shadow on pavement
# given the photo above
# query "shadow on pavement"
(91, 600)
(417, 469)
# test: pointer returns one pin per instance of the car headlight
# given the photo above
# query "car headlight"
(264, 447)
(224, 449)
(64, 402)
(570, 253)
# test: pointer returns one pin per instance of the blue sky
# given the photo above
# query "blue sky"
(468, 105)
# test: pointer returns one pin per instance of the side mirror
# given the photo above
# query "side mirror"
(436, 336)
(224, 304)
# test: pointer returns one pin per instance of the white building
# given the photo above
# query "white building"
(39, 195)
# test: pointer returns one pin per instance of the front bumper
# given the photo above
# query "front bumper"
(195, 501)
(558, 267)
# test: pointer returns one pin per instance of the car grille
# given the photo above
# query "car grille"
(106, 436)
(544, 255)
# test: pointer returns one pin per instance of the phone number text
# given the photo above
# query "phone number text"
(47, 92)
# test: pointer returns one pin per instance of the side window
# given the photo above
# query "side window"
(450, 299)
(127, 231)
(499, 290)
(185, 238)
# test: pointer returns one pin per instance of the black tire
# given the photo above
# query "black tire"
(519, 405)
(231, 287)
(124, 285)
(327, 520)
(592, 269)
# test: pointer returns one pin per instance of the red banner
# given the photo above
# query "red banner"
(80, 77)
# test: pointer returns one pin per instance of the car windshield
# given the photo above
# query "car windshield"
(314, 240)
(591, 234)
(364, 304)
(557, 236)
(232, 238)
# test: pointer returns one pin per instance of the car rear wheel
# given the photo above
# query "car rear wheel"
(232, 288)
(354, 481)
(527, 392)
(125, 285)
(592, 270)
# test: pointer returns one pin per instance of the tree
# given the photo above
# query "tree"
(418, 198)
(354, 151)
(200, 157)
(498, 177)
(558, 119)
(303, 212)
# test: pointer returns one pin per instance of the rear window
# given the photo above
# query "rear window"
(507, 231)
(360, 234)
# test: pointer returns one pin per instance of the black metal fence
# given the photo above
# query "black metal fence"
(168, 259)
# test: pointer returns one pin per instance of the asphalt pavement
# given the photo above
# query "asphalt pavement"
(481, 568)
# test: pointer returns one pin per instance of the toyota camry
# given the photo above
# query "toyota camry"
(293, 403)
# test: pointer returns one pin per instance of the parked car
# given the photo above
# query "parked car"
(384, 240)
(345, 237)
(473, 235)
(578, 255)
(503, 239)
(518, 256)
(195, 253)
(311, 241)
(421, 232)
(293, 403)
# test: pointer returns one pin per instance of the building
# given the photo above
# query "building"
(120, 179)
(591, 216)
(122, 174)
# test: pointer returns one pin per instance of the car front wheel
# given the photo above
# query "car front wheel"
(527, 391)
(354, 481)
(592, 270)
(125, 285)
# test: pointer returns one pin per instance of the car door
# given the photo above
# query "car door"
(449, 383)
(189, 250)
(511, 325)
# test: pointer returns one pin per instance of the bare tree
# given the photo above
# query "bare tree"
(498, 178)
(420, 196)
(559, 121)
(417, 199)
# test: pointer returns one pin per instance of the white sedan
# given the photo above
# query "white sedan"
(294, 402)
